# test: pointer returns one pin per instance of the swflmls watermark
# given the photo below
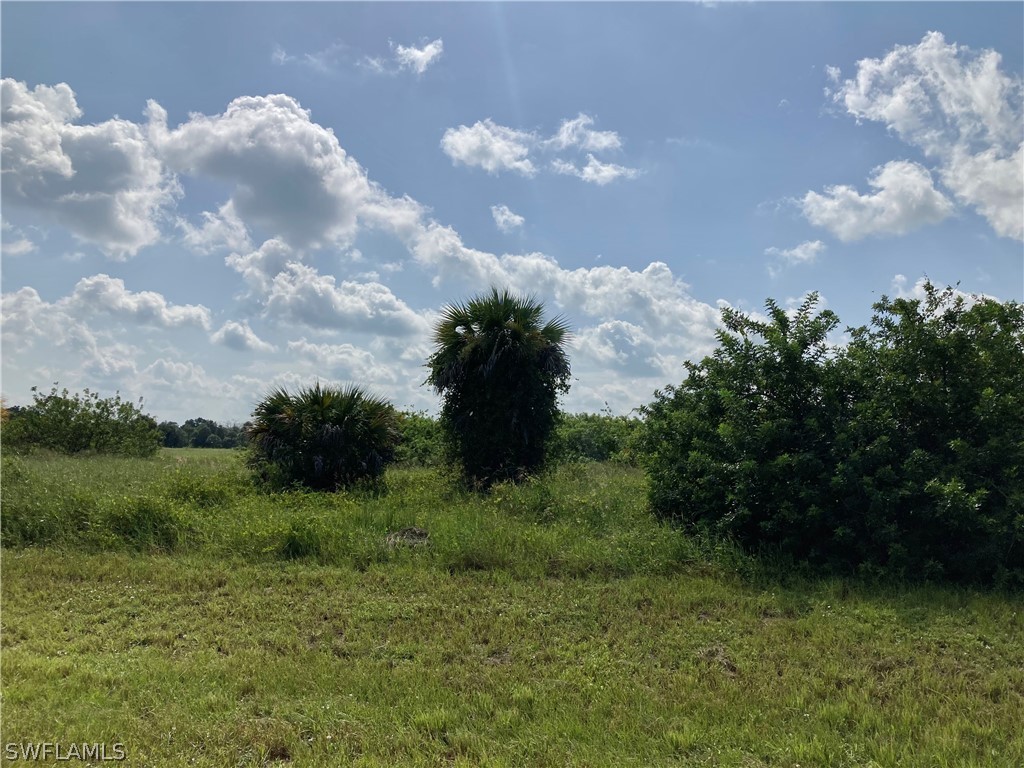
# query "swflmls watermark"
(61, 752)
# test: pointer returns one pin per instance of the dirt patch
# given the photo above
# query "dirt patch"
(408, 537)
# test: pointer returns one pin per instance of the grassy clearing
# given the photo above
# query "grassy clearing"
(580, 519)
(553, 624)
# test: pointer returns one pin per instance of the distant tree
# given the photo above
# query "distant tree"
(499, 370)
(172, 435)
(322, 437)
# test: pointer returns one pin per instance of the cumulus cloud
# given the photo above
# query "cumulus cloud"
(620, 345)
(103, 182)
(301, 294)
(343, 361)
(102, 293)
(653, 297)
(294, 190)
(240, 337)
(904, 199)
(259, 267)
(63, 330)
(505, 219)
(222, 230)
(961, 109)
(490, 146)
(290, 175)
(595, 171)
(497, 148)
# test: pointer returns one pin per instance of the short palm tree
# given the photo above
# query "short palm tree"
(322, 437)
(499, 371)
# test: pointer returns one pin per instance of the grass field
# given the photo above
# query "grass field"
(166, 605)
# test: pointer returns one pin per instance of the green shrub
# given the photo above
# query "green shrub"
(200, 489)
(900, 454)
(74, 423)
(147, 523)
(422, 442)
(322, 438)
(304, 538)
(593, 437)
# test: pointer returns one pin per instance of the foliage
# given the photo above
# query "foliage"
(202, 433)
(593, 437)
(499, 372)
(422, 442)
(322, 437)
(932, 460)
(73, 423)
(900, 454)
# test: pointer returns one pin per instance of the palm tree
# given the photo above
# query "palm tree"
(322, 437)
(499, 372)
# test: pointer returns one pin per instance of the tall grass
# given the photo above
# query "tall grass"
(576, 519)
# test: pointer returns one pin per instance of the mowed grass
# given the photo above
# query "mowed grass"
(551, 624)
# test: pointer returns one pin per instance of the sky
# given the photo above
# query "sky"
(204, 201)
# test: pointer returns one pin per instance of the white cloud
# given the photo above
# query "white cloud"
(595, 171)
(18, 247)
(652, 298)
(221, 230)
(578, 133)
(804, 253)
(620, 345)
(15, 242)
(505, 219)
(300, 294)
(86, 356)
(497, 148)
(295, 190)
(418, 59)
(101, 181)
(905, 199)
(241, 337)
(259, 267)
(917, 290)
(490, 146)
(290, 175)
(102, 293)
(281, 56)
(961, 109)
(344, 361)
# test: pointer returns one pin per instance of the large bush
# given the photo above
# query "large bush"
(499, 370)
(322, 437)
(73, 423)
(899, 454)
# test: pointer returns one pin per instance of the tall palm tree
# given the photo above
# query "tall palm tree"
(322, 437)
(499, 371)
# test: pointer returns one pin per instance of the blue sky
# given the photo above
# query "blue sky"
(201, 201)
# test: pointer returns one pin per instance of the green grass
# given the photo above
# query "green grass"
(551, 624)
